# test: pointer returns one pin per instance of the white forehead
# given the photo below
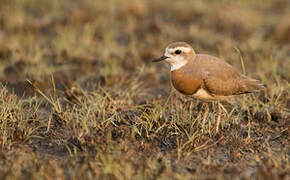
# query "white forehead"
(182, 48)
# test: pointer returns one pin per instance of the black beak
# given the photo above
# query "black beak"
(160, 59)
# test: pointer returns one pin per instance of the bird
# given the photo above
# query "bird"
(205, 77)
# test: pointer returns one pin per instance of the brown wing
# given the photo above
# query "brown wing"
(222, 87)
(220, 78)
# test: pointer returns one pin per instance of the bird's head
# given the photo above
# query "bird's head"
(177, 54)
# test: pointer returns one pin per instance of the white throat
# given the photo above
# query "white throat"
(177, 63)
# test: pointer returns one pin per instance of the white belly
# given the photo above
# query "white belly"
(203, 95)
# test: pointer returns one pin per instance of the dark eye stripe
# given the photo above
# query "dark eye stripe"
(178, 51)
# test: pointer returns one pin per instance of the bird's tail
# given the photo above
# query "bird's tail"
(253, 85)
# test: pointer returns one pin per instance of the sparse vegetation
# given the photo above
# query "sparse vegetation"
(80, 97)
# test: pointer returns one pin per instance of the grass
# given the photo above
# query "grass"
(80, 97)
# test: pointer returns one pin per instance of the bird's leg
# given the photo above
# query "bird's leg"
(205, 115)
(224, 109)
(219, 117)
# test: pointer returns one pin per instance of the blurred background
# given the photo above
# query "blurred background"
(105, 42)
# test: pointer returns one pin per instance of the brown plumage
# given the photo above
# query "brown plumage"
(206, 77)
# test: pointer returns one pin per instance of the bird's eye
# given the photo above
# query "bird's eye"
(178, 51)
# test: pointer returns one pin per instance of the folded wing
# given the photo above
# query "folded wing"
(220, 78)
